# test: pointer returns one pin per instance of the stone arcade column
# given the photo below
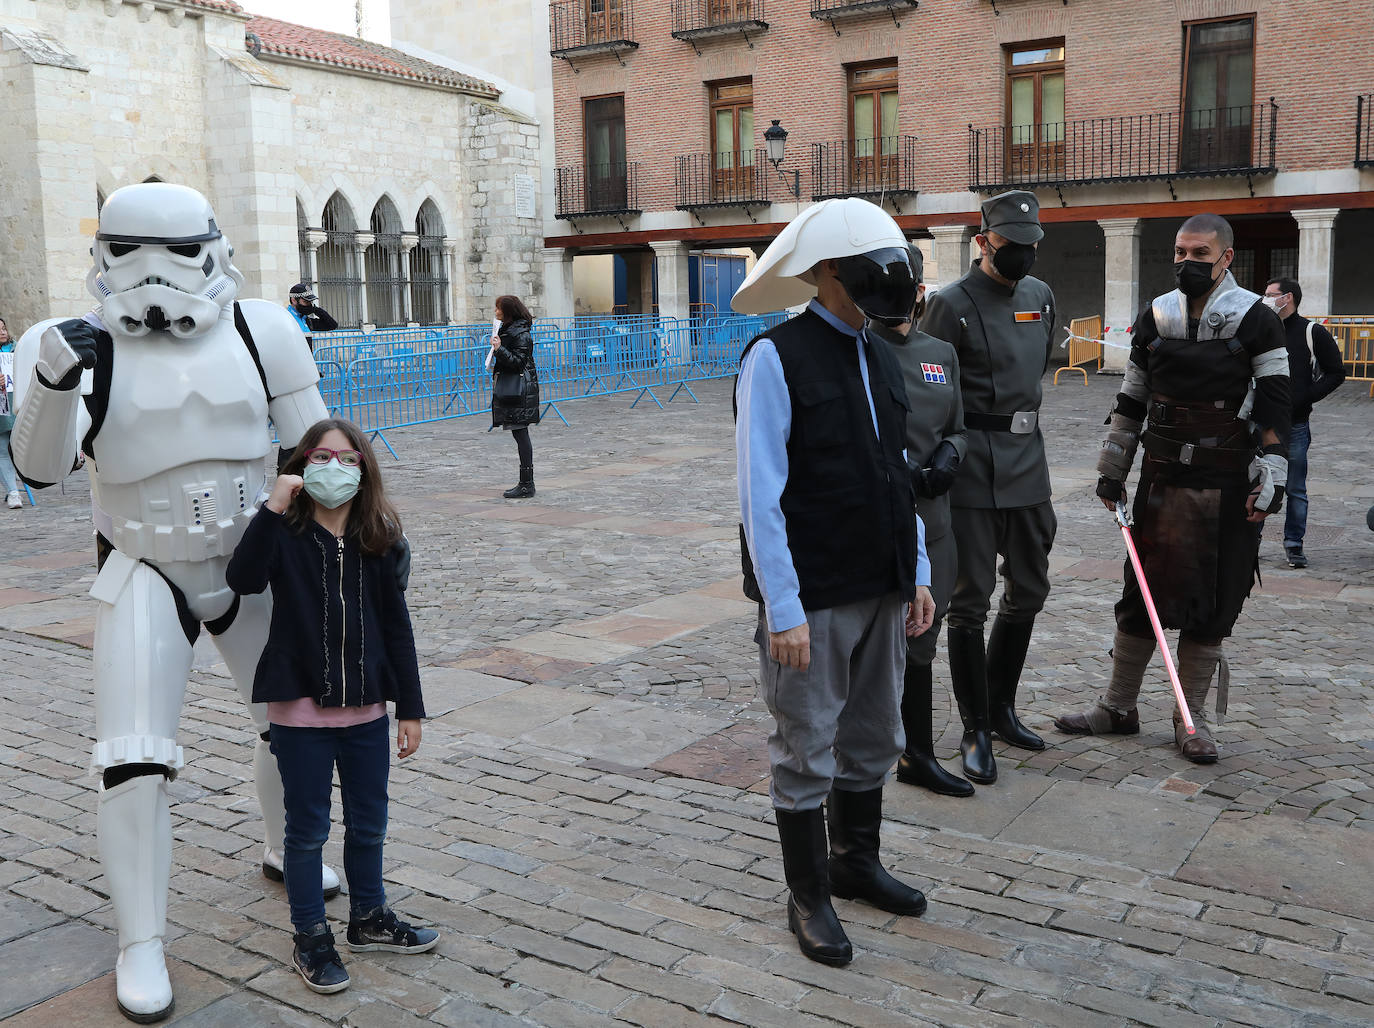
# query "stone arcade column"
(361, 242)
(409, 240)
(558, 282)
(951, 251)
(1121, 300)
(674, 299)
(1316, 252)
(314, 239)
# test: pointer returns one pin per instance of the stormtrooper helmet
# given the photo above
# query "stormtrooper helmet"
(161, 262)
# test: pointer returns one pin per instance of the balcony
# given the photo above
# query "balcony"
(1364, 131)
(883, 167)
(597, 190)
(585, 28)
(702, 19)
(1130, 148)
(840, 10)
(734, 179)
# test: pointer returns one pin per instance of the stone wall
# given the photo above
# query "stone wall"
(503, 250)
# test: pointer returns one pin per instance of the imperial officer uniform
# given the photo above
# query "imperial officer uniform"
(1003, 336)
(935, 447)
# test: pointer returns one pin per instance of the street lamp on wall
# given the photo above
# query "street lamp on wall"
(775, 139)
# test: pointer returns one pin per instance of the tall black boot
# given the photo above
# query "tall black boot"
(918, 766)
(526, 486)
(810, 915)
(968, 672)
(856, 872)
(1007, 645)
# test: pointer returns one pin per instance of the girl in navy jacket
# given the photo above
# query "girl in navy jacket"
(340, 646)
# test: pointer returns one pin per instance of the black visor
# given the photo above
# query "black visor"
(880, 283)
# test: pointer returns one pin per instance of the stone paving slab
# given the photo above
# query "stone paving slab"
(590, 828)
(1328, 868)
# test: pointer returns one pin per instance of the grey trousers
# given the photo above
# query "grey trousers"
(944, 565)
(839, 722)
(1022, 537)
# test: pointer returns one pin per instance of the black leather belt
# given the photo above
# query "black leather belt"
(1195, 454)
(1020, 423)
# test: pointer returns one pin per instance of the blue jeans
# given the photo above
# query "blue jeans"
(306, 758)
(1295, 522)
(8, 480)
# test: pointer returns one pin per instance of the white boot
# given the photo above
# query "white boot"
(268, 780)
(134, 829)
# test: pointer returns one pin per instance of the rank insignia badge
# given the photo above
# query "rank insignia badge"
(933, 372)
(1021, 316)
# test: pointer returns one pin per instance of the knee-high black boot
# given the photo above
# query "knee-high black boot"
(856, 872)
(968, 673)
(810, 915)
(918, 766)
(1007, 645)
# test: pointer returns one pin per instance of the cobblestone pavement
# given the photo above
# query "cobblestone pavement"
(587, 821)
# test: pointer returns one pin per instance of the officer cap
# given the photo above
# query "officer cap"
(1014, 215)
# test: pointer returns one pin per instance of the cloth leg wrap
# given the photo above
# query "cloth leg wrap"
(1197, 662)
(1130, 657)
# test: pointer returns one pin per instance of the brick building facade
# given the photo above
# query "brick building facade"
(1123, 117)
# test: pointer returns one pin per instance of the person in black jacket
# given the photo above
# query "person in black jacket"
(513, 369)
(1315, 369)
(340, 646)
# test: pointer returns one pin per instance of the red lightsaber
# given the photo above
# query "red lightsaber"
(1123, 522)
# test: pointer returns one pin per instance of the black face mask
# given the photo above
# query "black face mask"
(1195, 277)
(1013, 260)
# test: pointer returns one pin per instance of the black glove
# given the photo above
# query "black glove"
(936, 478)
(1110, 489)
(82, 337)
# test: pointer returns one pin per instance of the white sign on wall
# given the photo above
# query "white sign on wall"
(524, 196)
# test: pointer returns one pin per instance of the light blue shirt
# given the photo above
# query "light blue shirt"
(300, 319)
(762, 427)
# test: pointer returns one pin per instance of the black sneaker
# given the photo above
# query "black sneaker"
(1296, 558)
(383, 930)
(318, 961)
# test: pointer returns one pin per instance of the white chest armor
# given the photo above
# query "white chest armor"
(180, 457)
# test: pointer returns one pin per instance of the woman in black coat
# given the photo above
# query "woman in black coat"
(513, 353)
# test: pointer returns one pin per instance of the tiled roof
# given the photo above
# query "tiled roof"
(216, 5)
(283, 39)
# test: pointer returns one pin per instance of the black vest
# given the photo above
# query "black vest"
(848, 504)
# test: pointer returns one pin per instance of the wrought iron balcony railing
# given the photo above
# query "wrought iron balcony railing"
(736, 179)
(698, 19)
(1134, 147)
(1364, 131)
(882, 166)
(597, 189)
(587, 27)
(837, 10)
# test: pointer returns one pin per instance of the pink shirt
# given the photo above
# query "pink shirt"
(306, 713)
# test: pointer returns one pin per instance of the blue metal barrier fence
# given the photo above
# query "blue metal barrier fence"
(392, 378)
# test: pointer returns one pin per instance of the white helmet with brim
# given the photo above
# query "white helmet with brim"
(831, 229)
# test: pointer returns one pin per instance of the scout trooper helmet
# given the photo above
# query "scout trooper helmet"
(161, 262)
(875, 268)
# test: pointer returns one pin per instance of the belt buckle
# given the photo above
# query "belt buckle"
(1185, 453)
(1023, 422)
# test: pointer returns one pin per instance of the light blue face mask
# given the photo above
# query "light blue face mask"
(332, 485)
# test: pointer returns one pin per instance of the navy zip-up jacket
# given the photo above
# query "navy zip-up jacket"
(340, 629)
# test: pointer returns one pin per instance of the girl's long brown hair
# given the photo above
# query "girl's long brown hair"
(512, 309)
(372, 520)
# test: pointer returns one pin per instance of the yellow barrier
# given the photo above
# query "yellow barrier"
(1085, 346)
(1354, 334)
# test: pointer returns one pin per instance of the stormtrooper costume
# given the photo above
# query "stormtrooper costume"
(173, 417)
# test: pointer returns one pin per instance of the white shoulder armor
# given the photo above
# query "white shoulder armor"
(287, 363)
